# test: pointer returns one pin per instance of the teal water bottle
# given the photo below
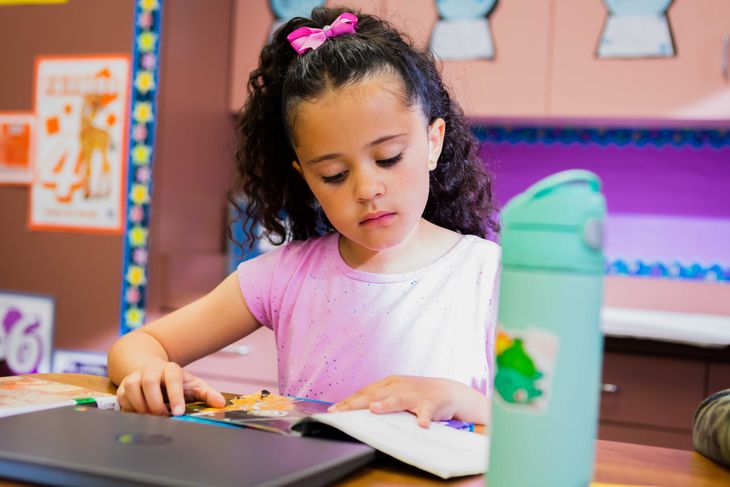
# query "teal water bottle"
(549, 344)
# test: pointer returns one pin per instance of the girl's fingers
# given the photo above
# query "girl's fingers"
(362, 398)
(424, 417)
(142, 391)
(124, 403)
(174, 388)
(152, 390)
(213, 398)
(201, 391)
(133, 392)
(357, 401)
(390, 404)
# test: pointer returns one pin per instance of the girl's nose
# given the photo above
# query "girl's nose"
(368, 185)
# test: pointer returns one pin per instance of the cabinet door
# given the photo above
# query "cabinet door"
(514, 83)
(689, 85)
(718, 377)
(655, 391)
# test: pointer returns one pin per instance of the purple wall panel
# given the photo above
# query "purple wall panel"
(668, 180)
(668, 205)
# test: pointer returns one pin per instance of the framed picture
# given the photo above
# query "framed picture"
(81, 106)
(16, 147)
(26, 333)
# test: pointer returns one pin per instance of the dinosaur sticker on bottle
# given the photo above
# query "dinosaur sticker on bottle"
(525, 364)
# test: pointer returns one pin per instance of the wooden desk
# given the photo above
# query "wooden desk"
(623, 463)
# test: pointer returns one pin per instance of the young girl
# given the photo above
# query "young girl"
(385, 297)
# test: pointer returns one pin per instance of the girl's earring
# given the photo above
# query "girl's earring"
(431, 164)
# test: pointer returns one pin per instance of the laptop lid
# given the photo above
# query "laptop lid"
(90, 447)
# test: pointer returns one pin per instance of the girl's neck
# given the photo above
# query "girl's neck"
(426, 243)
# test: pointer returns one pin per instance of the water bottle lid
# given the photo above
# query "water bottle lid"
(556, 224)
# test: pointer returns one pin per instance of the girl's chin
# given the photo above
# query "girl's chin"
(381, 244)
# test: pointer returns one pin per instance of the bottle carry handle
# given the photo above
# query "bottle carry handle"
(572, 176)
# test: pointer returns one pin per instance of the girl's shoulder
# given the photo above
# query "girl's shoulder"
(293, 252)
(312, 244)
(475, 244)
(483, 242)
(471, 253)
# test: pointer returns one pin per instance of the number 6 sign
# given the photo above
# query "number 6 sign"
(26, 328)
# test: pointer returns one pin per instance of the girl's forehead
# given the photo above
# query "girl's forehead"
(383, 81)
(373, 101)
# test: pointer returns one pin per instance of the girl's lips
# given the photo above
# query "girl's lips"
(378, 219)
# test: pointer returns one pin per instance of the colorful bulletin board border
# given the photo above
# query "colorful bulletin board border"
(81, 108)
(145, 83)
(17, 132)
(703, 264)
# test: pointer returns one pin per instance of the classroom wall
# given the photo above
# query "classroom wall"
(80, 270)
(194, 162)
(201, 73)
(191, 165)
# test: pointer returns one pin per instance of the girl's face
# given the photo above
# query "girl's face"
(366, 156)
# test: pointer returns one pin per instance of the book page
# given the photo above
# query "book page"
(262, 410)
(443, 451)
(24, 394)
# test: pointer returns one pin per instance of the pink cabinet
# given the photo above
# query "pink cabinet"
(546, 63)
(689, 85)
(513, 84)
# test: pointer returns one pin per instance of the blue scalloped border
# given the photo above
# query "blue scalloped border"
(603, 136)
(675, 270)
(143, 121)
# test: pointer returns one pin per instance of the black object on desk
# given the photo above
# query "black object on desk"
(90, 447)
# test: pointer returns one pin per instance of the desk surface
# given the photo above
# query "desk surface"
(623, 463)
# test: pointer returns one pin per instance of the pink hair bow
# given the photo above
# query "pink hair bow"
(306, 38)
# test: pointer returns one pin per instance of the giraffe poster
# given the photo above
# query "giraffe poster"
(81, 106)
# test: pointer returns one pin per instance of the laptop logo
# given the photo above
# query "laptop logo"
(143, 439)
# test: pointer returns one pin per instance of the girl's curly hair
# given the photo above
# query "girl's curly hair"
(269, 193)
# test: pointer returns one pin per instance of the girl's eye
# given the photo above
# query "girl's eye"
(390, 162)
(337, 178)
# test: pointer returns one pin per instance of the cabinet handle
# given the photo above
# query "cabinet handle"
(725, 55)
(609, 388)
(237, 349)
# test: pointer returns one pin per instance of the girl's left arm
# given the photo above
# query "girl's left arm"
(429, 398)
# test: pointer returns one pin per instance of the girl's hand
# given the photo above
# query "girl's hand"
(427, 397)
(142, 390)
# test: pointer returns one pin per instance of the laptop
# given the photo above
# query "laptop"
(83, 446)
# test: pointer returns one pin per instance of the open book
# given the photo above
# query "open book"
(25, 394)
(440, 449)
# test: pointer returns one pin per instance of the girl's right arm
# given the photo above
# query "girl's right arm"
(149, 360)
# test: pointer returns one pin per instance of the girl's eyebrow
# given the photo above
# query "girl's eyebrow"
(375, 142)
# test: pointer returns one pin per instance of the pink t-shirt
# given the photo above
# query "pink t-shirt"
(339, 329)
